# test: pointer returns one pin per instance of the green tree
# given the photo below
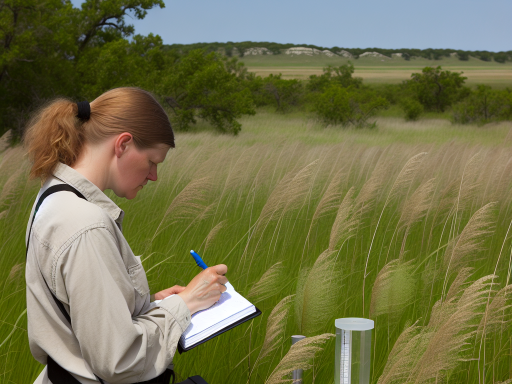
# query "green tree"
(436, 89)
(463, 55)
(501, 57)
(122, 63)
(44, 42)
(485, 56)
(200, 85)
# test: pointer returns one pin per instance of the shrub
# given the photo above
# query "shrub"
(484, 105)
(341, 75)
(340, 105)
(284, 93)
(393, 93)
(333, 105)
(412, 109)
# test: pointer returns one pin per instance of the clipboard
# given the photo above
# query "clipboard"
(231, 326)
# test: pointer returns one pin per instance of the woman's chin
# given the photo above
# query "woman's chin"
(132, 194)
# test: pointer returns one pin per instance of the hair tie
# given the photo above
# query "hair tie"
(84, 110)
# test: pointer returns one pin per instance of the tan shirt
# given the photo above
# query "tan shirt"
(87, 263)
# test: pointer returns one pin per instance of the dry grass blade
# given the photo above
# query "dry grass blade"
(11, 190)
(406, 175)
(299, 295)
(402, 182)
(469, 181)
(188, 204)
(211, 235)
(321, 292)
(328, 203)
(470, 241)
(345, 223)
(451, 340)
(368, 193)
(425, 354)
(299, 356)
(394, 289)
(276, 325)
(401, 358)
(497, 313)
(298, 188)
(457, 285)
(330, 199)
(268, 285)
(418, 204)
(288, 195)
(16, 272)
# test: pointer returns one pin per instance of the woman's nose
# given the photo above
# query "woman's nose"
(152, 173)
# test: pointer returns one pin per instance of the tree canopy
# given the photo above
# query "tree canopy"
(51, 49)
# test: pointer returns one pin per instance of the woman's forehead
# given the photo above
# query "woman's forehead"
(159, 151)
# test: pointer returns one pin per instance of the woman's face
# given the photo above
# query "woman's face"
(137, 166)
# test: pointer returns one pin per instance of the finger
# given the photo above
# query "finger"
(178, 289)
(220, 269)
(221, 287)
(223, 280)
(217, 295)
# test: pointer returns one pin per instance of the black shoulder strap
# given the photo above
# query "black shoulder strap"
(48, 192)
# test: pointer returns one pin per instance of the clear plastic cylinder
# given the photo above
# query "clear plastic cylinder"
(353, 350)
(297, 374)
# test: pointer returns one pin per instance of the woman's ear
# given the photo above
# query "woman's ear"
(122, 143)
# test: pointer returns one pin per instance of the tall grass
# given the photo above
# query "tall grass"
(416, 236)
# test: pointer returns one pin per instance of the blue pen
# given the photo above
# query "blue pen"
(199, 261)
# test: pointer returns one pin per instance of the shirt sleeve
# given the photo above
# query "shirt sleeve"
(118, 347)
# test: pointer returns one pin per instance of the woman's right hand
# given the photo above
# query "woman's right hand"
(205, 289)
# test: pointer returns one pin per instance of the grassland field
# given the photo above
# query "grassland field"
(408, 224)
(378, 70)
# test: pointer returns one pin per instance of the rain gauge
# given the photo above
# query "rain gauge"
(353, 350)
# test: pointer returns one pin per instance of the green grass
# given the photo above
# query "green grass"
(380, 71)
(265, 186)
(398, 63)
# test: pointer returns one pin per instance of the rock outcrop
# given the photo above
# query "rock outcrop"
(295, 51)
(374, 54)
(396, 55)
(345, 54)
(257, 51)
(328, 53)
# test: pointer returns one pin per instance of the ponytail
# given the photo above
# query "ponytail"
(53, 135)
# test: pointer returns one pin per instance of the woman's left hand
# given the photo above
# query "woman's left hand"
(167, 292)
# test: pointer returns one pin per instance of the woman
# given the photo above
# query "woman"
(88, 300)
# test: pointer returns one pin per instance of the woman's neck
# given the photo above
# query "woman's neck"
(94, 163)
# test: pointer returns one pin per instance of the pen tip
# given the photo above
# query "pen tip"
(192, 251)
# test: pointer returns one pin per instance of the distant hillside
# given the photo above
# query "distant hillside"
(250, 48)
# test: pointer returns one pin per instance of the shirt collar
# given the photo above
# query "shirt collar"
(91, 192)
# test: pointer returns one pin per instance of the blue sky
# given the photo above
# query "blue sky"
(457, 24)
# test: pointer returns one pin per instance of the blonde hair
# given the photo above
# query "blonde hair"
(54, 134)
